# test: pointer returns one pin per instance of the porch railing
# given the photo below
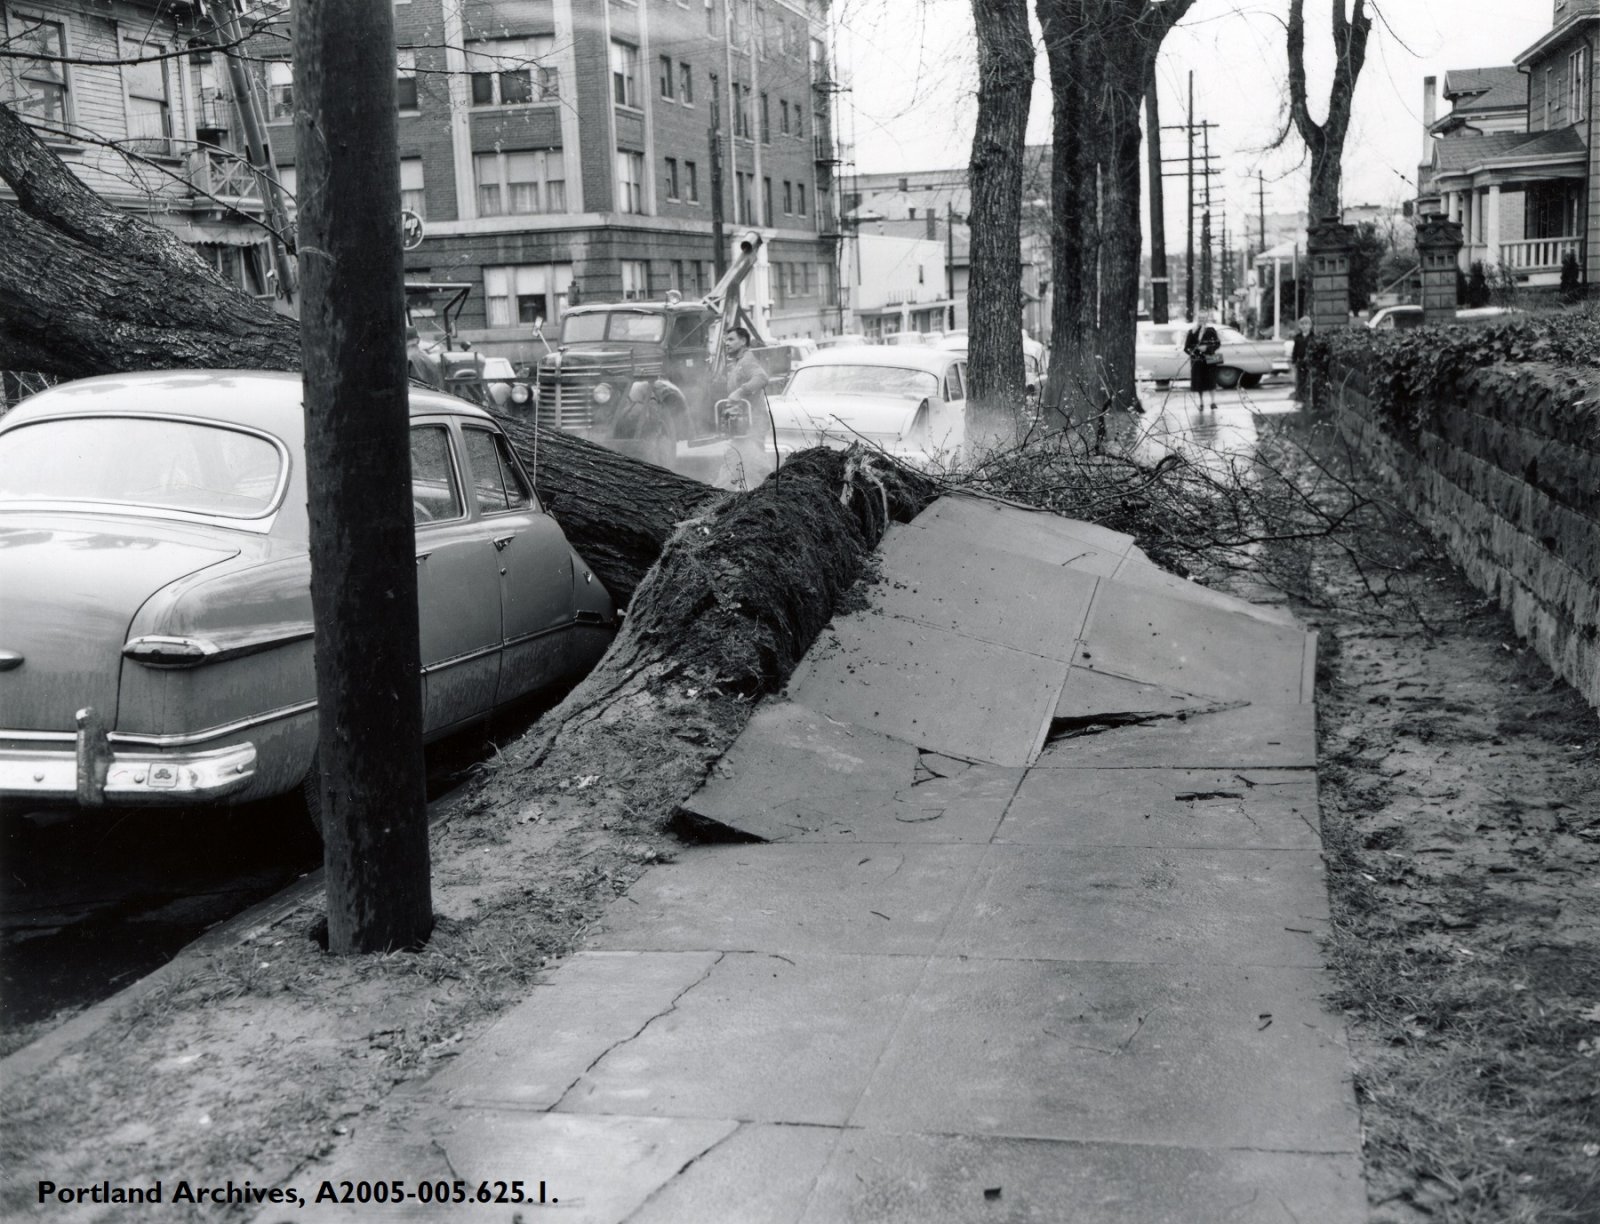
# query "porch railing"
(1530, 255)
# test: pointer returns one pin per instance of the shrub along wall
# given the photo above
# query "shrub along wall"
(1493, 438)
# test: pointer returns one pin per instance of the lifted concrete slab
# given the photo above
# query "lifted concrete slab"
(930, 687)
(594, 1170)
(590, 1003)
(1032, 533)
(1204, 1056)
(1261, 809)
(760, 1175)
(793, 775)
(1090, 694)
(1257, 736)
(797, 899)
(1178, 644)
(876, 1178)
(982, 591)
(765, 1038)
(1144, 906)
(1145, 575)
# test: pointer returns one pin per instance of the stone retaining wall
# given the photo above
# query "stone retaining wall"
(1509, 479)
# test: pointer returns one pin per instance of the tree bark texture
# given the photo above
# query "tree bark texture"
(87, 289)
(1325, 141)
(358, 469)
(1101, 55)
(995, 372)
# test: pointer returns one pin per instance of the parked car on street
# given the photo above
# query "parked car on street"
(1159, 357)
(908, 400)
(1393, 318)
(155, 601)
(1034, 357)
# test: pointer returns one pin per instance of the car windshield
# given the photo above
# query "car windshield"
(623, 325)
(139, 461)
(863, 380)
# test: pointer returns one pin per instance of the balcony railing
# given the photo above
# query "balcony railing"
(1530, 255)
(225, 178)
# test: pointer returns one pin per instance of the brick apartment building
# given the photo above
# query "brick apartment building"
(557, 150)
(561, 151)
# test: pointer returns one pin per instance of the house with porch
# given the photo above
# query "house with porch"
(1527, 194)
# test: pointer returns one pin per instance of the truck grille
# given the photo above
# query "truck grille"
(564, 393)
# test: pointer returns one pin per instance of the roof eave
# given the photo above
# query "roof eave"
(1553, 37)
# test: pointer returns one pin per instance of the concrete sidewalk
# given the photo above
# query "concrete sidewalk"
(1024, 927)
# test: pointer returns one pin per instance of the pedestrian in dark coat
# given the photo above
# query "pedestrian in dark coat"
(1202, 344)
(1297, 354)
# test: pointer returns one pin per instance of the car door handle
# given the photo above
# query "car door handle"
(500, 542)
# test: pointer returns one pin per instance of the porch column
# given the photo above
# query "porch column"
(1438, 247)
(1491, 230)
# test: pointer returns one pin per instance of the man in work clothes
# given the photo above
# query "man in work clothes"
(746, 463)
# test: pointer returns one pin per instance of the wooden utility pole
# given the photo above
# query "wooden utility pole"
(1208, 293)
(1188, 258)
(1158, 206)
(358, 475)
(718, 239)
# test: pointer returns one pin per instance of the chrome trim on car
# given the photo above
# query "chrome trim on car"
(93, 779)
(182, 739)
(211, 649)
(467, 657)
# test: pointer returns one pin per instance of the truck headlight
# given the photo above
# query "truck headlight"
(520, 394)
(601, 394)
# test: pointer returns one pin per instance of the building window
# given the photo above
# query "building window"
(630, 182)
(526, 293)
(686, 84)
(741, 121)
(406, 85)
(742, 199)
(675, 278)
(672, 178)
(665, 80)
(41, 84)
(1577, 85)
(511, 184)
(799, 128)
(288, 184)
(149, 102)
(512, 72)
(766, 121)
(783, 117)
(800, 198)
(625, 74)
(412, 197)
(811, 278)
(711, 16)
(280, 89)
(635, 280)
(766, 200)
(691, 183)
(788, 197)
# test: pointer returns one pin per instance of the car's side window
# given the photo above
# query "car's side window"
(497, 482)
(954, 383)
(435, 492)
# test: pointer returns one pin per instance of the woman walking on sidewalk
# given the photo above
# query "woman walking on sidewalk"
(1202, 344)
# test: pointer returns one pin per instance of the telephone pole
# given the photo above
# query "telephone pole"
(1158, 203)
(1206, 170)
(1188, 258)
(1208, 292)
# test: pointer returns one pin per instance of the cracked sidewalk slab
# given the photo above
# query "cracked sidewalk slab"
(1255, 736)
(1275, 809)
(795, 775)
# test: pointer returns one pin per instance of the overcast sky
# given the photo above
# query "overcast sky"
(913, 98)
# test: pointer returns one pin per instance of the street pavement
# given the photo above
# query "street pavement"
(1016, 918)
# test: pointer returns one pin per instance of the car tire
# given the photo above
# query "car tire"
(1250, 380)
(1227, 377)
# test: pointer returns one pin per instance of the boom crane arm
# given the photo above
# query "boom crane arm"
(724, 300)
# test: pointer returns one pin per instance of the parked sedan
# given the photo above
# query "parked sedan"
(909, 401)
(1159, 356)
(155, 601)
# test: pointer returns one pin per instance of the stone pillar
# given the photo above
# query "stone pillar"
(1328, 246)
(1438, 249)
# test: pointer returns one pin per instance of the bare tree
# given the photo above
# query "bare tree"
(1325, 141)
(1101, 55)
(994, 298)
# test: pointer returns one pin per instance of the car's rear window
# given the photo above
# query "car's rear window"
(144, 462)
(863, 380)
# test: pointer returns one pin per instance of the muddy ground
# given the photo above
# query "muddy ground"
(1459, 787)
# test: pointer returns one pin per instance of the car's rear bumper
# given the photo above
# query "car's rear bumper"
(86, 768)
